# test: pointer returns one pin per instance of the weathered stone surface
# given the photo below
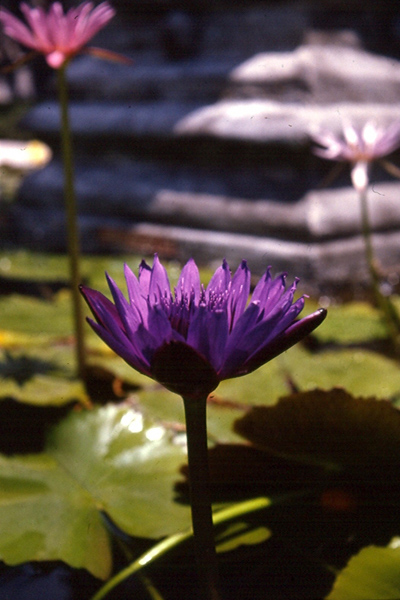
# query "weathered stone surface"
(243, 183)
(190, 80)
(319, 74)
(270, 122)
(198, 197)
(131, 187)
(109, 119)
(243, 30)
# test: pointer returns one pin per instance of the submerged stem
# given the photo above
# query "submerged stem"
(72, 222)
(387, 309)
(158, 551)
(203, 531)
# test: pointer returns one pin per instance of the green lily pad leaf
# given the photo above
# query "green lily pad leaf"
(36, 317)
(328, 428)
(110, 460)
(241, 534)
(43, 390)
(41, 376)
(361, 372)
(351, 323)
(159, 403)
(264, 385)
(220, 419)
(106, 359)
(46, 515)
(373, 574)
(162, 404)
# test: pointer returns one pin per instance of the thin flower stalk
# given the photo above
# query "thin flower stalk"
(192, 339)
(360, 148)
(59, 36)
(73, 243)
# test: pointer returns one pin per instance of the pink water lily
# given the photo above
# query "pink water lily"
(360, 147)
(56, 35)
(191, 340)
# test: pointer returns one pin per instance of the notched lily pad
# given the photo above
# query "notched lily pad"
(329, 428)
(110, 460)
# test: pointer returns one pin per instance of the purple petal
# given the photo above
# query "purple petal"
(277, 303)
(129, 315)
(123, 347)
(220, 281)
(233, 354)
(189, 282)
(255, 336)
(197, 336)
(159, 325)
(99, 304)
(239, 293)
(144, 277)
(217, 333)
(135, 292)
(291, 336)
(268, 291)
(159, 283)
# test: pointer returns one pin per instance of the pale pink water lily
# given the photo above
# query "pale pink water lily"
(360, 147)
(57, 35)
(191, 340)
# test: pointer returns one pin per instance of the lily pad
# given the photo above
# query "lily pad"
(265, 385)
(108, 460)
(374, 573)
(44, 390)
(360, 372)
(36, 317)
(40, 376)
(328, 428)
(351, 323)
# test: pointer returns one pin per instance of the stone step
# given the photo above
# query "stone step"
(318, 74)
(258, 122)
(264, 121)
(198, 81)
(197, 197)
(109, 120)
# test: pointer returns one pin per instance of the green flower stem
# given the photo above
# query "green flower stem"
(387, 309)
(200, 499)
(72, 222)
(168, 544)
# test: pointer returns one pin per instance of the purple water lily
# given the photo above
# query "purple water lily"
(191, 340)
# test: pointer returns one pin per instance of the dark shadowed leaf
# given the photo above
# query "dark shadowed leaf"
(330, 428)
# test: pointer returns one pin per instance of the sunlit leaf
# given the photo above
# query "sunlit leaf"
(361, 372)
(240, 534)
(110, 460)
(40, 376)
(264, 385)
(374, 574)
(43, 390)
(351, 323)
